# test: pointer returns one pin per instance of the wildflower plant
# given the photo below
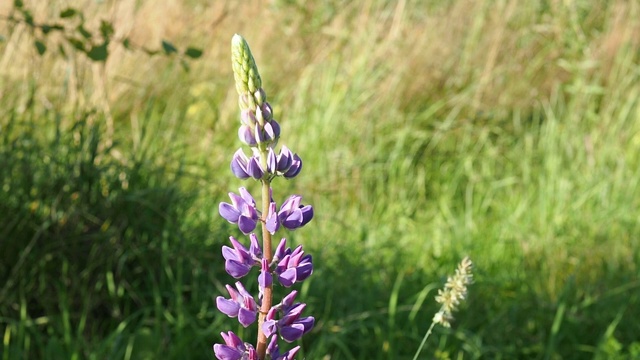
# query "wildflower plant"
(455, 291)
(285, 266)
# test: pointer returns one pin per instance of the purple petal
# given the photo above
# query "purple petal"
(238, 170)
(246, 317)
(291, 354)
(246, 196)
(294, 168)
(229, 253)
(293, 220)
(246, 135)
(255, 250)
(272, 348)
(264, 279)
(267, 112)
(228, 212)
(269, 327)
(246, 224)
(271, 161)
(288, 277)
(268, 132)
(292, 203)
(258, 134)
(279, 253)
(227, 307)
(239, 164)
(236, 269)
(292, 333)
(242, 254)
(233, 340)
(254, 169)
(289, 299)
(224, 352)
(308, 323)
(272, 222)
(276, 128)
(303, 272)
(307, 214)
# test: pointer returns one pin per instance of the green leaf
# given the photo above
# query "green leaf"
(86, 34)
(126, 43)
(149, 51)
(106, 29)
(28, 18)
(168, 47)
(193, 53)
(99, 53)
(76, 43)
(185, 65)
(45, 29)
(68, 12)
(40, 47)
(18, 4)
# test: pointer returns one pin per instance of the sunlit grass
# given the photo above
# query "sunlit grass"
(505, 131)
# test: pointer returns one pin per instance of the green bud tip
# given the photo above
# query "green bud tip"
(245, 70)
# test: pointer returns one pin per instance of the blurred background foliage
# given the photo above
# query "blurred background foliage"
(504, 130)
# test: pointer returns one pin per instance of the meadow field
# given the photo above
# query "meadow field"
(507, 131)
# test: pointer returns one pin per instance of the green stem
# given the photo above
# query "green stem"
(267, 298)
(424, 340)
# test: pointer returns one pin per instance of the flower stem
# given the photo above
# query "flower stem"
(261, 347)
(424, 340)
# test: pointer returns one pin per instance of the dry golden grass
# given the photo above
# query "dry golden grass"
(479, 55)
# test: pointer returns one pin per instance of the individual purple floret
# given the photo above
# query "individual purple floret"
(290, 326)
(241, 211)
(292, 215)
(239, 260)
(244, 167)
(234, 348)
(240, 305)
(269, 133)
(265, 279)
(289, 164)
(274, 351)
(246, 135)
(293, 266)
(272, 222)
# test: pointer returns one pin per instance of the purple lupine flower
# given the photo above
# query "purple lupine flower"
(272, 221)
(234, 348)
(294, 266)
(290, 326)
(289, 164)
(239, 260)
(261, 131)
(241, 211)
(266, 110)
(292, 215)
(274, 351)
(272, 161)
(240, 305)
(269, 133)
(246, 135)
(244, 167)
(265, 279)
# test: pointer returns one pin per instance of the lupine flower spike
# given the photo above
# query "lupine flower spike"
(261, 132)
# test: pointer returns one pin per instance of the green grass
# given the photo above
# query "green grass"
(503, 131)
